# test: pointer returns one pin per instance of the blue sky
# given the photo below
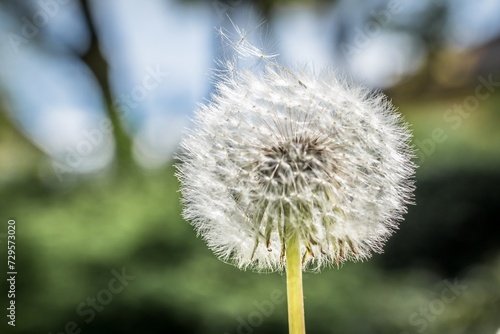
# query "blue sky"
(161, 55)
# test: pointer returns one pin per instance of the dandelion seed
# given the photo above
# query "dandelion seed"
(282, 153)
(287, 159)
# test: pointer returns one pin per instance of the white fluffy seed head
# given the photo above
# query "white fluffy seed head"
(281, 153)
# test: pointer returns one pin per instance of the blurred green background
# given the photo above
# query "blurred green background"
(105, 250)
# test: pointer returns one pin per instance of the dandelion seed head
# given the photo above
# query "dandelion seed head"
(279, 153)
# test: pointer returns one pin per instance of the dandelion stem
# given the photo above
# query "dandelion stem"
(295, 296)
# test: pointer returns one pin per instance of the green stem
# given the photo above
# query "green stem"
(295, 296)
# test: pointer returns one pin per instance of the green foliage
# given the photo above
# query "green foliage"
(73, 238)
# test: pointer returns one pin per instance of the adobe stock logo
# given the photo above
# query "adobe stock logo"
(455, 117)
(32, 25)
(371, 29)
(103, 297)
(96, 138)
(263, 310)
(425, 315)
